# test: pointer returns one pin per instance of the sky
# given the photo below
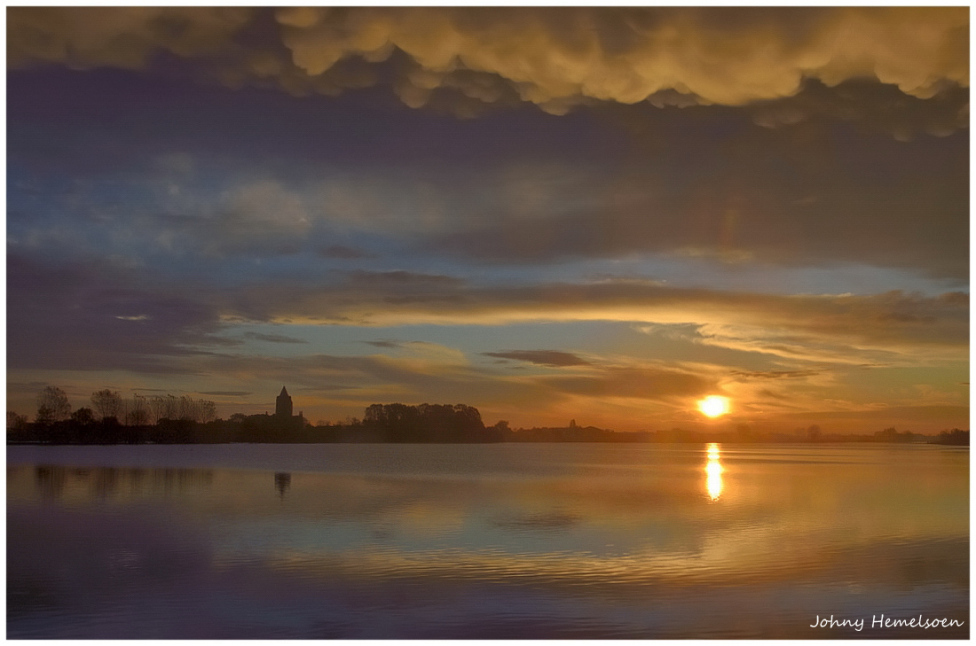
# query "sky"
(602, 215)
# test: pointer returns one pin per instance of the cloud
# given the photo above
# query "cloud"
(64, 314)
(555, 58)
(30, 387)
(805, 196)
(870, 105)
(64, 309)
(257, 218)
(399, 277)
(890, 322)
(551, 358)
(773, 374)
(227, 393)
(260, 217)
(384, 344)
(118, 36)
(273, 338)
(344, 253)
(797, 198)
(644, 382)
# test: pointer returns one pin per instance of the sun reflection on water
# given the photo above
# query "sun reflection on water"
(713, 473)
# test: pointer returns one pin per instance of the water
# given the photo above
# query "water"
(484, 541)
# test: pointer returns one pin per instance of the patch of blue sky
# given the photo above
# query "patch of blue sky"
(676, 271)
(747, 276)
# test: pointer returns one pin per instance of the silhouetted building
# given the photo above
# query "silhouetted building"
(283, 406)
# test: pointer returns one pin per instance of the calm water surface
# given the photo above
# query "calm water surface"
(484, 541)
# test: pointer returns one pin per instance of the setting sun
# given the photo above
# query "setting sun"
(714, 406)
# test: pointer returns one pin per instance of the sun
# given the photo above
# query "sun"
(714, 406)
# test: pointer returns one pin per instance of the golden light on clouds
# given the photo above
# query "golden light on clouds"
(554, 58)
(714, 406)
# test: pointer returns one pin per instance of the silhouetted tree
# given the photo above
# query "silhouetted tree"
(52, 405)
(138, 411)
(83, 416)
(892, 435)
(156, 405)
(16, 421)
(207, 411)
(956, 437)
(185, 409)
(107, 403)
(375, 414)
(163, 408)
(426, 422)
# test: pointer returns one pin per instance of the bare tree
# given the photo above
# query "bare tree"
(182, 408)
(171, 407)
(107, 403)
(52, 405)
(138, 413)
(155, 408)
(207, 410)
(187, 409)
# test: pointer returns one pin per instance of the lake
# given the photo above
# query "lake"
(489, 541)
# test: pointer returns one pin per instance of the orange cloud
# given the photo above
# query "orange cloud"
(553, 57)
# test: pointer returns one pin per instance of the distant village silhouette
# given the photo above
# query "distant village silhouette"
(183, 420)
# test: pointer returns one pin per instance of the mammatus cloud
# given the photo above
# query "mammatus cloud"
(553, 57)
(876, 106)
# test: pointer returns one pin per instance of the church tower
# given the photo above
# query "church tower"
(283, 404)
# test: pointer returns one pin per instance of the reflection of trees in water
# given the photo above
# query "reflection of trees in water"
(50, 481)
(103, 482)
(282, 483)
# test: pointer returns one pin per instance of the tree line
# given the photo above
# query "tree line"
(108, 406)
(112, 419)
(426, 422)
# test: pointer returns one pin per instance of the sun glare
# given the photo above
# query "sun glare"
(714, 406)
(713, 471)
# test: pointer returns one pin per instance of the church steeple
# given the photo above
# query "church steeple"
(283, 406)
